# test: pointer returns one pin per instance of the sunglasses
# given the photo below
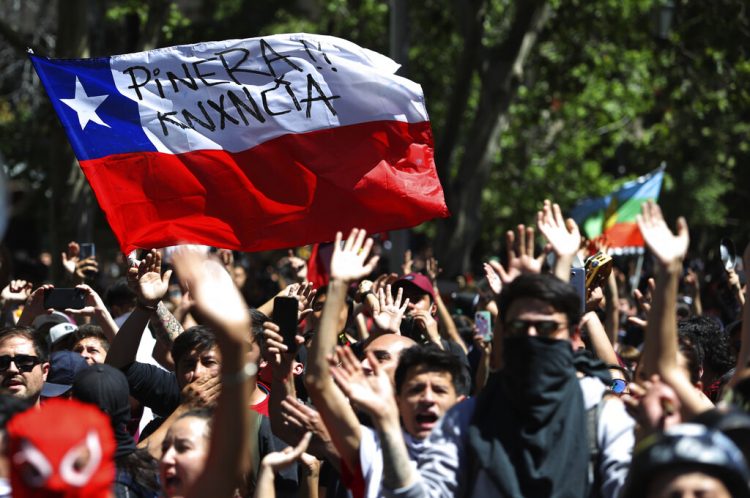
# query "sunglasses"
(24, 362)
(619, 386)
(543, 327)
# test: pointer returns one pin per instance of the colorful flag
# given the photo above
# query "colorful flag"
(250, 144)
(613, 216)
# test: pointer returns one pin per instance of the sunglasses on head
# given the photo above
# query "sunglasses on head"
(24, 362)
(619, 386)
(543, 327)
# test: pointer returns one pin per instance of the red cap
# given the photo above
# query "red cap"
(417, 280)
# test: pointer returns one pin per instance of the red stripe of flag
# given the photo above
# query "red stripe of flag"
(289, 191)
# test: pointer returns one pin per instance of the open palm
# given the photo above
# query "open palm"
(350, 262)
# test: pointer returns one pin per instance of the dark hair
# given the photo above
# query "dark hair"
(40, 346)
(718, 353)
(142, 467)
(257, 319)
(206, 414)
(199, 338)
(120, 294)
(691, 349)
(90, 330)
(10, 406)
(432, 359)
(545, 287)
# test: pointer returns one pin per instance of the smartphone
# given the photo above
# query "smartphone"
(87, 250)
(578, 280)
(483, 321)
(285, 316)
(61, 299)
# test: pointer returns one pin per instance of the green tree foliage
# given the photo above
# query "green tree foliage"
(606, 98)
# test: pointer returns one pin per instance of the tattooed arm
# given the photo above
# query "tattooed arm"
(165, 326)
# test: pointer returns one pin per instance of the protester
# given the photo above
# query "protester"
(688, 460)
(107, 388)
(225, 453)
(389, 417)
(23, 363)
(90, 342)
(75, 462)
(63, 368)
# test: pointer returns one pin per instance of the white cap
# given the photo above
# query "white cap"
(61, 330)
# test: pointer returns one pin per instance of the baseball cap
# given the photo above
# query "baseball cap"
(693, 446)
(60, 330)
(54, 318)
(63, 368)
(417, 280)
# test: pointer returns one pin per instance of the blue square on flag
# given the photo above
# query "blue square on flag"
(99, 120)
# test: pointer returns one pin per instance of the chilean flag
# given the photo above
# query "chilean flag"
(250, 144)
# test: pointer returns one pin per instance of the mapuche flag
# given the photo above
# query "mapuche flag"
(248, 144)
(613, 216)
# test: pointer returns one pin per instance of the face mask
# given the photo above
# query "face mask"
(536, 370)
(64, 449)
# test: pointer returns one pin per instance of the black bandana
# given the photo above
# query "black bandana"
(529, 427)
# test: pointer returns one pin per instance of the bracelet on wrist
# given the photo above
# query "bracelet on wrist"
(146, 306)
(248, 371)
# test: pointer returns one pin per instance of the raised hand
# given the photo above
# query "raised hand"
(34, 306)
(520, 255)
(147, 281)
(493, 277)
(297, 266)
(371, 393)
(215, 295)
(275, 350)
(643, 303)
(667, 247)
(406, 268)
(390, 312)
(433, 269)
(424, 321)
(563, 235)
(70, 257)
(594, 299)
(279, 460)
(17, 291)
(382, 280)
(653, 404)
(305, 294)
(92, 304)
(350, 263)
(304, 418)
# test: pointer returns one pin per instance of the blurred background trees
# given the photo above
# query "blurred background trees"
(562, 99)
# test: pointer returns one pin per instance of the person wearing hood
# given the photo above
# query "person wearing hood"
(107, 388)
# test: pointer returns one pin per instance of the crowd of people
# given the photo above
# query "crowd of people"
(164, 382)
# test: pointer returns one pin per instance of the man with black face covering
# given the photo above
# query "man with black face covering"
(525, 435)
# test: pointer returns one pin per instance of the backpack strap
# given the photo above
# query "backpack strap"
(593, 415)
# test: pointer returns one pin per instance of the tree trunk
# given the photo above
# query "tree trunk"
(501, 73)
(65, 203)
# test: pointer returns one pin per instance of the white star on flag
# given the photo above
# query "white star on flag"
(85, 106)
